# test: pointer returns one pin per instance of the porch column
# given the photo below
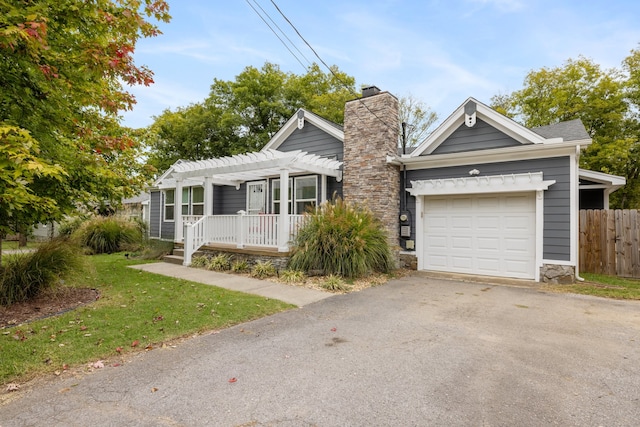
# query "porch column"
(323, 189)
(177, 211)
(208, 197)
(283, 223)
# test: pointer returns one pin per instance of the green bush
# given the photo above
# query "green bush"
(110, 234)
(25, 276)
(343, 239)
(292, 276)
(240, 266)
(220, 262)
(263, 269)
(199, 261)
(334, 283)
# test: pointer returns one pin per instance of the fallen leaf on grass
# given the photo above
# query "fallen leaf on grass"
(153, 389)
(13, 387)
(64, 390)
(135, 343)
(118, 349)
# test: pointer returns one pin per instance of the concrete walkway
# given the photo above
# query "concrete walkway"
(291, 294)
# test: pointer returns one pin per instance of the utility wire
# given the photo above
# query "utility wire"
(282, 32)
(393, 128)
(276, 34)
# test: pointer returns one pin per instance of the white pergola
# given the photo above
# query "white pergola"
(241, 168)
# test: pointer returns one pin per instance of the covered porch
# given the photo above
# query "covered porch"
(250, 227)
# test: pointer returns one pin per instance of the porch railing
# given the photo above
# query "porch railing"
(240, 230)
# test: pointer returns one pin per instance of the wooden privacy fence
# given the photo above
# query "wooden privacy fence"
(610, 242)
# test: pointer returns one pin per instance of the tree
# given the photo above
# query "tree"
(243, 114)
(64, 68)
(417, 118)
(602, 99)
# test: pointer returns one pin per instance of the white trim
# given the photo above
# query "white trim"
(539, 233)
(557, 262)
(511, 183)
(495, 155)
(292, 124)
(574, 201)
(605, 179)
(420, 231)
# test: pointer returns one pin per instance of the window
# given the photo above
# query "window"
(197, 200)
(185, 200)
(169, 205)
(306, 193)
(193, 201)
(275, 196)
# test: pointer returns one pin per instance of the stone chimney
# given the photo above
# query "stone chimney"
(371, 129)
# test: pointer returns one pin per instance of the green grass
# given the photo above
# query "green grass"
(135, 307)
(603, 286)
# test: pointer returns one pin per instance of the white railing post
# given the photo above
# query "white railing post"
(283, 222)
(188, 243)
(240, 229)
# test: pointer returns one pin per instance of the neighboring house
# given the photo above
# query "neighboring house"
(481, 195)
(136, 207)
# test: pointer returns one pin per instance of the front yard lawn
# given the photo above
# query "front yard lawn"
(136, 311)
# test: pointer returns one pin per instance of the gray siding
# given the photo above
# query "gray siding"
(482, 136)
(557, 208)
(155, 208)
(314, 141)
(228, 201)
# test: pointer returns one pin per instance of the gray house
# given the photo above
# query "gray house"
(481, 195)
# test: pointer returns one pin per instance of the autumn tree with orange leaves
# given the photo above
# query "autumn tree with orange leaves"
(65, 66)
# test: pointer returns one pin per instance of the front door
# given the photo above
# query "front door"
(256, 197)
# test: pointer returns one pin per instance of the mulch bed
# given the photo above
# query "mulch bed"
(47, 304)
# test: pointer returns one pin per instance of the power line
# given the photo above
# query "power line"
(282, 32)
(276, 34)
(394, 128)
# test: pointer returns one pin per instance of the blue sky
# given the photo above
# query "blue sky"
(439, 51)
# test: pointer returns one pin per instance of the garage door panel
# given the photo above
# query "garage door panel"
(492, 235)
(488, 243)
(437, 242)
(462, 263)
(461, 243)
(487, 223)
(461, 222)
(457, 204)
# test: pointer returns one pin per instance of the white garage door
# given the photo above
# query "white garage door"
(486, 234)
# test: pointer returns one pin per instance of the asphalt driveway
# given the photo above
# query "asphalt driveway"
(414, 352)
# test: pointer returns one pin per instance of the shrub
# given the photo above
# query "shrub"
(220, 262)
(292, 276)
(109, 234)
(201, 261)
(25, 276)
(334, 283)
(240, 266)
(263, 269)
(344, 239)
